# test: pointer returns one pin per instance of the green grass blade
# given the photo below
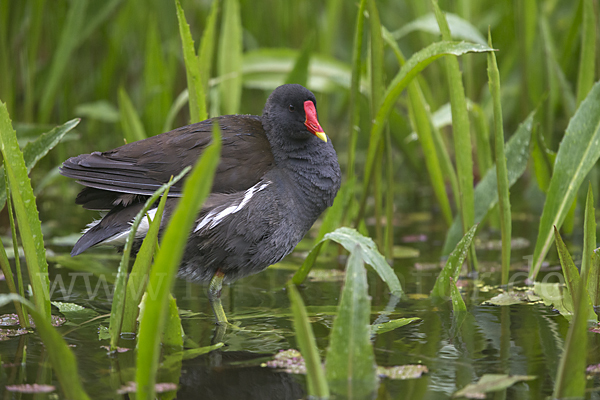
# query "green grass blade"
(299, 74)
(501, 169)
(421, 125)
(92, 23)
(458, 304)
(543, 161)
(196, 189)
(589, 233)
(377, 83)
(207, 46)
(136, 283)
(350, 238)
(421, 121)
(158, 79)
(133, 130)
(7, 78)
(308, 263)
(413, 66)
(389, 197)
(62, 359)
(442, 287)
(570, 379)
(177, 105)
(482, 138)
(230, 58)
(121, 284)
(350, 362)
(69, 39)
(377, 90)
(460, 28)
(353, 109)
(317, 383)
(36, 150)
(23, 319)
(173, 336)
(30, 228)
(197, 99)
(10, 282)
(461, 130)
(594, 280)
(266, 68)
(578, 152)
(566, 92)
(587, 60)
(571, 273)
(486, 192)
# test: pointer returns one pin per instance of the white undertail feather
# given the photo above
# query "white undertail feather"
(120, 238)
(214, 217)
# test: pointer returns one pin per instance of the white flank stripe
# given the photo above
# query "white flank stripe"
(212, 219)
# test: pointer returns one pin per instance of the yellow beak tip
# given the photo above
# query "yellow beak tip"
(322, 136)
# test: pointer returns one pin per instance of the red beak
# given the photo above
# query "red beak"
(311, 121)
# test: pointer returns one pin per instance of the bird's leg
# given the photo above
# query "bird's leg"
(214, 296)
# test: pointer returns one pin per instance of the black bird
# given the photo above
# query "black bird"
(277, 174)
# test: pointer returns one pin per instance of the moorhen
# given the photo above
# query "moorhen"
(277, 174)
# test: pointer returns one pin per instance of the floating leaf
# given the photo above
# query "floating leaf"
(511, 298)
(491, 383)
(391, 325)
(402, 372)
(290, 361)
(131, 387)
(556, 295)
(27, 388)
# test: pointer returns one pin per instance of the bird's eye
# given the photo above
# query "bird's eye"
(291, 108)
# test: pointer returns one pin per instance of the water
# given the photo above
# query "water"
(516, 340)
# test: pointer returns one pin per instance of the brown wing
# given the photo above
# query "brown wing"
(139, 168)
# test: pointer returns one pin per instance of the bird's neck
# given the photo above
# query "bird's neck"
(313, 170)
